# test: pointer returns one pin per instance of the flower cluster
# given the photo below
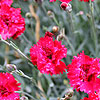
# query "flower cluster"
(8, 86)
(11, 22)
(47, 55)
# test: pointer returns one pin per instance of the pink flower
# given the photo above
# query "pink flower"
(8, 2)
(47, 55)
(67, 1)
(83, 72)
(92, 96)
(86, 0)
(11, 22)
(52, 0)
(8, 86)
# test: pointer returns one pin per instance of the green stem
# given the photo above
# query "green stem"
(71, 46)
(71, 22)
(55, 20)
(26, 94)
(15, 47)
(94, 35)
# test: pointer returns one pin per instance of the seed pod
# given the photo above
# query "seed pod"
(11, 67)
(24, 98)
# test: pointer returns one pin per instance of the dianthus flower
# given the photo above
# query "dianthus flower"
(86, 0)
(83, 72)
(11, 22)
(8, 86)
(47, 55)
(8, 2)
(67, 1)
(92, 96)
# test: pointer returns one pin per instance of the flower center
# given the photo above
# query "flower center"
(49, 53)
(5, 19)
(84, 74)
(85, 68)
(3, 91)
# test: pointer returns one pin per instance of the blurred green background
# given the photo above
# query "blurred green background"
(48, 87)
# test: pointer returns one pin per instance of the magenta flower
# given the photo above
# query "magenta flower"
(11, 22)
(47, 55)
(7, 2)
(92, 96)
(8, 86)
(83, 72)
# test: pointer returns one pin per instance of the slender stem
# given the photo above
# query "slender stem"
(94, 35)
(25, 38)
(71, 46)
(51, 84)
(16, 48)
(19, 72)
(54, 18)
(26, 94)
(72, 32)
(71, 22)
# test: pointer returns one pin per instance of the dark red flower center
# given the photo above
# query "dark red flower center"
(84, 73)
(3, 91)
(48, 51)
(5, 19)
(85, 68)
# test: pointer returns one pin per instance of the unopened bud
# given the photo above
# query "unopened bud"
(80, 13)
(70, 92)
(55, 29)
(24, 98)
(66, 6)
(69, 8)
(39, 1)
(60, 37)
(50, 14)
(88, 16)
(11, 67)
(28, 15)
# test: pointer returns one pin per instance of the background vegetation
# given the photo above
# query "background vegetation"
(46, 87)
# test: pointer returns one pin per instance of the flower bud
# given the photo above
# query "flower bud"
(60, 37)
(11, 67)
(24, 98)
(50, 14)
(70, 93)
(88, 16)
(69, 8)
(66, 6)
(39, 1)
(28, 15)
(80, 13)
(55, 29)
